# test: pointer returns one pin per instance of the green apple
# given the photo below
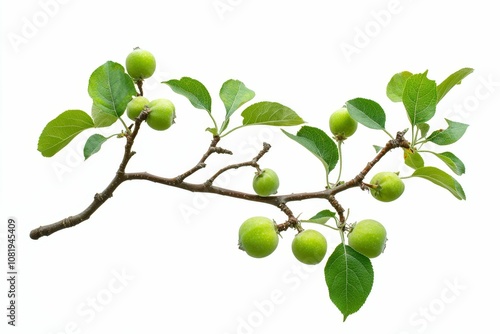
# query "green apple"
(161, 115)
(140, 64)
(368, 237)
(266, 182)
(136, 106)
(387, 186)
(309, 246)
(342, 125)
(258, 236)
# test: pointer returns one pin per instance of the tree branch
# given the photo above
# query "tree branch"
(252, 163)
(208, 187)
(201, 164)
(99, 198)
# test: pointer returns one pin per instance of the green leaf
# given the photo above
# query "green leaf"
(454, 132)
(413, 159)
(213, 131)
(61, 130)
(420, 98)
(193, 90)
(442, 179)
(102, 119)
(321, 217)
(396, 86)
(93, 145)
(270, 113)
(349, 277)
(452, 161)
(319, 144)
(377, 148)
(423, 128)
(111, 88)
(454, 79)
(234, 94)
(367, 112)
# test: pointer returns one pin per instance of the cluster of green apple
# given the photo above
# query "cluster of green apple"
(140, 65)
(384, 186)
(259, 237)
(368, 236)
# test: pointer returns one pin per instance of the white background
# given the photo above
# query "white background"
(155, 259)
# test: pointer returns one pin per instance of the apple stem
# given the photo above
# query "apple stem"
(365, 186)
(139, 84)
(340, 160)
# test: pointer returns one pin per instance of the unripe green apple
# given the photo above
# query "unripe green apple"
(258, 236)
(266, 182)
(368, 237)
(342, 125)
(161, 115)
(136, 106)
(140, 64)
(388, 186)
(309, 246)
